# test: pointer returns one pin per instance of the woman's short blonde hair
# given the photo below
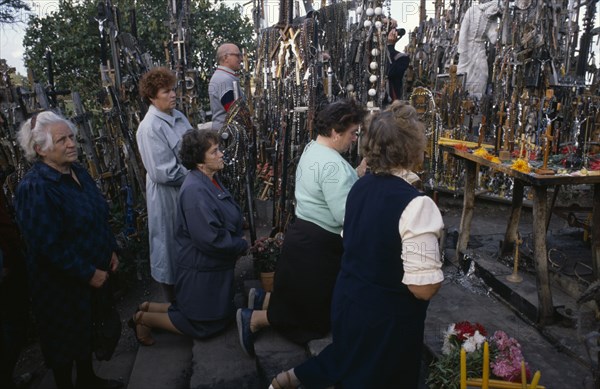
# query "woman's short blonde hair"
(395, 139)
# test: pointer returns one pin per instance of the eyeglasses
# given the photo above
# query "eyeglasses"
(239, 55)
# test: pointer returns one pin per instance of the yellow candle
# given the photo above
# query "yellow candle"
(486, 366)
(463, 369)
(523, 375)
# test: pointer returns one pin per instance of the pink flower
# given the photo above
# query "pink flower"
(507, 364)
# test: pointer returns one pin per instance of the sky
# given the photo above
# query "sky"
(11, 36)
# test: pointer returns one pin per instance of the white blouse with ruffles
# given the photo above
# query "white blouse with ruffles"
(420, 228)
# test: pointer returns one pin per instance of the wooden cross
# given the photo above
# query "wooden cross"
(481, 134)
(288, 40)
(501, 115)
(547, 143)
(292, 38)
(523, 142)
(283, 45)
(515, 277)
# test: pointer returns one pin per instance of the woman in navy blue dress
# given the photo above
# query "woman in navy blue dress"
(209, 240)
(70, 246)
(391, 267)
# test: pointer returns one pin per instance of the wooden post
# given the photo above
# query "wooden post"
(513, 221)
(547, 144)
(467, 212)
(545, 305)
(552, 203)
(596, 232)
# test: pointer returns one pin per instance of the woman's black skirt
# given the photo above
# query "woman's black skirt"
(300, 305)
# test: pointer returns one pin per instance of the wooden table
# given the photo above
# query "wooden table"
(539, 184)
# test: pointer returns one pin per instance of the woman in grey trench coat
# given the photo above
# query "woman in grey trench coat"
(159, 140)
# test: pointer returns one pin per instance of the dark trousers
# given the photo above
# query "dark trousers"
(14, 318)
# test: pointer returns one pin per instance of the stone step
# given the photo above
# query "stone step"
(219, 362)
(522, 298)
(275, 354)
(460, 300)
(166, 364)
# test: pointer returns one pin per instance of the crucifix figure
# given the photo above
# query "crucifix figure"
(522, 142)
(547, 143)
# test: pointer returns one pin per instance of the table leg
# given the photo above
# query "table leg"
(513, 222)
(546, 307)
(596, 232)
(467, 211)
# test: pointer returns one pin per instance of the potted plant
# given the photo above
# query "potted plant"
(266, 251)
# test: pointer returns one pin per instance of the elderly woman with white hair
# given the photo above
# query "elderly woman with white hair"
(70, 247)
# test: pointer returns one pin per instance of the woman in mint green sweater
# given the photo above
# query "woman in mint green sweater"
(299, 307)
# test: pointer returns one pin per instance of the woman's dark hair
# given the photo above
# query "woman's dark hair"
(194, 145)
(154, 80)
(339, 116)
(395, 139)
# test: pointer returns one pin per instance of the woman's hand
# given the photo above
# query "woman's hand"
(392, 37)
(114, 262)
(362, 168)
(98, 279)
(424, 292)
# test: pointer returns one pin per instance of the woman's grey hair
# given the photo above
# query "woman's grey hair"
(39, 135)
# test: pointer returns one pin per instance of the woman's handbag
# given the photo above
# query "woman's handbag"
(106, 323)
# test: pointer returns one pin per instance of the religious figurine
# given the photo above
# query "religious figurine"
(480, 22)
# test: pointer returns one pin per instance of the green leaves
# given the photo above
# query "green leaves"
(74, 49)
(73, 35)
(444, 373)
(13, 11)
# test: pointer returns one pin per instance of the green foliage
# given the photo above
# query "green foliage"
(12, 11)
(74, 42)
(445, 372)
(73, 36)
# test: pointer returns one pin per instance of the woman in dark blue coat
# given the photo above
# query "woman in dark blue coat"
(209, 239)
(70, 246)
(391, 267)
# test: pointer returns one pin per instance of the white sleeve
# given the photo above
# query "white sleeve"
(420, 228)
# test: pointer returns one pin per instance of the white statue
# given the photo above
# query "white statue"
(479, 23)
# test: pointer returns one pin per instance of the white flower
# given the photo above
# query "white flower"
(448, 346)
(479, 339)
(473, 342)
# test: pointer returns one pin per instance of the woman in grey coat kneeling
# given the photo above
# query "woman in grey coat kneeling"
(209, 241)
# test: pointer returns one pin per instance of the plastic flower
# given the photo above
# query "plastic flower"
(507, 364)
(266, 252)
(465, 329)
(481, 152)
(461, 147)
(474, 342)
(493, 159)
(505, 356)
(463, 334)
(521, 165)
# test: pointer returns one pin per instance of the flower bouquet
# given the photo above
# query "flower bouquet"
(266, 252)
(505, 356)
